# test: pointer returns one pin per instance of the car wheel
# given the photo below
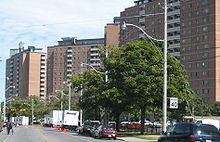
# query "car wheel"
(114, 138)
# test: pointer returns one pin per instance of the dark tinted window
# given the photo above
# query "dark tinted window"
(207, 130)
(181, 129)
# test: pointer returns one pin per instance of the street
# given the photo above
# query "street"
(45, 134)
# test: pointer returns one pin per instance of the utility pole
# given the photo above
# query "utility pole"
(81, 93)
(70, 96)
(32, 110)
(165, 69)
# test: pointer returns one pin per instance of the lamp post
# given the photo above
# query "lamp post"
(61, 98)
(32, 110)
(81, 93)
(106, 79)
(4, 110)
(69, 94)
(164, 60)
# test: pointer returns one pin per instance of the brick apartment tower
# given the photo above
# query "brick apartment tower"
(153, 24)
(112, 33)
(193, 27)
(26, 70)
(200, 42)
(64, 60)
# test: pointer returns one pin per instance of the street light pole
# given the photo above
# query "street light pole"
(165, 69)
(32, 111)
(81, 93)
(164, 60)
(4, 109)
(69, 96)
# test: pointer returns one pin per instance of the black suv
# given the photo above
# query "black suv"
(191, 132)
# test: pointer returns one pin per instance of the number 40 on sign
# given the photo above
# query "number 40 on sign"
(173, 103)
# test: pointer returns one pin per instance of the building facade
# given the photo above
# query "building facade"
(193, 27)
(26, 73)
(112, 33)
(148, 15)
(65, 59)
(200, 50)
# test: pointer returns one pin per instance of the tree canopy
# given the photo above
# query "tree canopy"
(135, 74)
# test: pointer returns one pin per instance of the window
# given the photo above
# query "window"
(205, 29)
(206, 10)
(190, 66)
(206, 46)
(205, 73)
(205, 37)
(205, 64)
(197, 74)
(206, 91)
(205, 1)
(181, 129)
(197, 92)
(206, 20)
(205, 82)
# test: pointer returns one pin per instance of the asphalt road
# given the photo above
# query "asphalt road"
(43, 134)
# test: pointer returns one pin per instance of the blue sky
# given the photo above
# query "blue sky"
(42, 23)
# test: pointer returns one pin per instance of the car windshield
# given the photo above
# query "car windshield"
(179, 129)
(207, 130)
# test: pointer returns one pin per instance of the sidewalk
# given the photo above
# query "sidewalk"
(4, 135)
(133, 139)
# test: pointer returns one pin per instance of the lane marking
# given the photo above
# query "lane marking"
(43, 135)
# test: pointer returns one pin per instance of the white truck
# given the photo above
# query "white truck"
(20, 120)
(66, 118)
(212, 121)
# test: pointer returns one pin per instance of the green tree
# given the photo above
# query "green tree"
(92, 85)
(201, 108)
(23, 107)
(135, 74)
(138, 71)
(215, 109)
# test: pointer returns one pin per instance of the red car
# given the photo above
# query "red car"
(105, 132)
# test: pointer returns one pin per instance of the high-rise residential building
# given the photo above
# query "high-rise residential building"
(148, 15)
(112, 33)
(26, 73)
(193, 27)
(65, 59)
(200, 52)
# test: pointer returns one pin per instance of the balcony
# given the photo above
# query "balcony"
(94, 49)
(69, 60)
(69, 55)
(94, 54)
(169, 30)
(94, 59)
(173, 37)
(175, 12)
(175, 20)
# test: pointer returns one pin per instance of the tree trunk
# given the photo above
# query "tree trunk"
(117, 121)
(143, 109)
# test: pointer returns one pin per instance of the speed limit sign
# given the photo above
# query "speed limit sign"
(174, 103)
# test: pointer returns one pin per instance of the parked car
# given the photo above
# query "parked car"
(105, 132)
(85, 129)
(157, 124)
(147, 123)
(191, 132)
(94, 128)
